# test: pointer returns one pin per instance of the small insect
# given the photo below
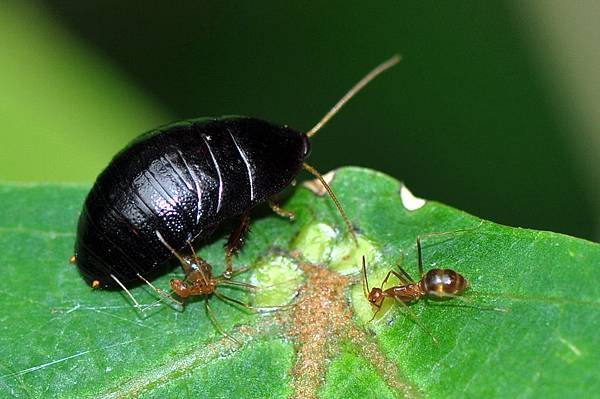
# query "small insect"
(181, 182)
(200, 281)
(438, 284)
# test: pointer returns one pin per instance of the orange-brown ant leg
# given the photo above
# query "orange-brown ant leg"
(223, 281)
(239, 270)
(416, 319)
(135, 302)
(280, 211)
(470, 302)
(226, 298)
(160, 292)
(235, 242)
(407, 276)
(419, 249)
(420, 257)
(217, 325)
(402, 279)
(377, 311)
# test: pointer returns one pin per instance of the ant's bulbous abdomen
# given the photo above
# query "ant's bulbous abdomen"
(443, 283)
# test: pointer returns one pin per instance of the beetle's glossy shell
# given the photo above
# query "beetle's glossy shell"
(181, 180)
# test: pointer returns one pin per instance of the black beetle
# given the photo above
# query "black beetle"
(179, 183)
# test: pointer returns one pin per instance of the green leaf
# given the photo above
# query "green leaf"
(60, 338)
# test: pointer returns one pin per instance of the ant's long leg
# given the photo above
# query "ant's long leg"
(469, 302)
(443, 233)
(404, 278)
(224, 281)
(239, 271)
(416, 319)
(420, 257)
(160, 292)
(217, 325)
(407, 276)
(235, 242)
(377, 311)
(136, 303)
(248, 306)
(419, 249)
(280, 211)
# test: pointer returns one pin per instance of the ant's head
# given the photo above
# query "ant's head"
(376, 297)
(181, 288)
(444, 283)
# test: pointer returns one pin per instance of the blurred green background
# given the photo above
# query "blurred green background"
(491, 110)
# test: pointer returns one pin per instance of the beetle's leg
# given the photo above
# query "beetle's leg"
(280, 211)
(235, 242)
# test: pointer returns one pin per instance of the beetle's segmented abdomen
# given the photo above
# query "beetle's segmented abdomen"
(149, 187)
(181, 181)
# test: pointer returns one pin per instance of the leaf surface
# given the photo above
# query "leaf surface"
(60, 338)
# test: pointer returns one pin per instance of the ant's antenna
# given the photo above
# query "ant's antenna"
(357, 87)
(365, 280)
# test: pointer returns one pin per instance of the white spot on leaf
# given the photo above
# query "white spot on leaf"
(409, 201)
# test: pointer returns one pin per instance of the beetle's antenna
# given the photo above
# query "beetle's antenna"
(315, 173)
(357, 87)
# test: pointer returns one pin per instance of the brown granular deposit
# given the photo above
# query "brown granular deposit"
(321, 315)
(321, 320)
